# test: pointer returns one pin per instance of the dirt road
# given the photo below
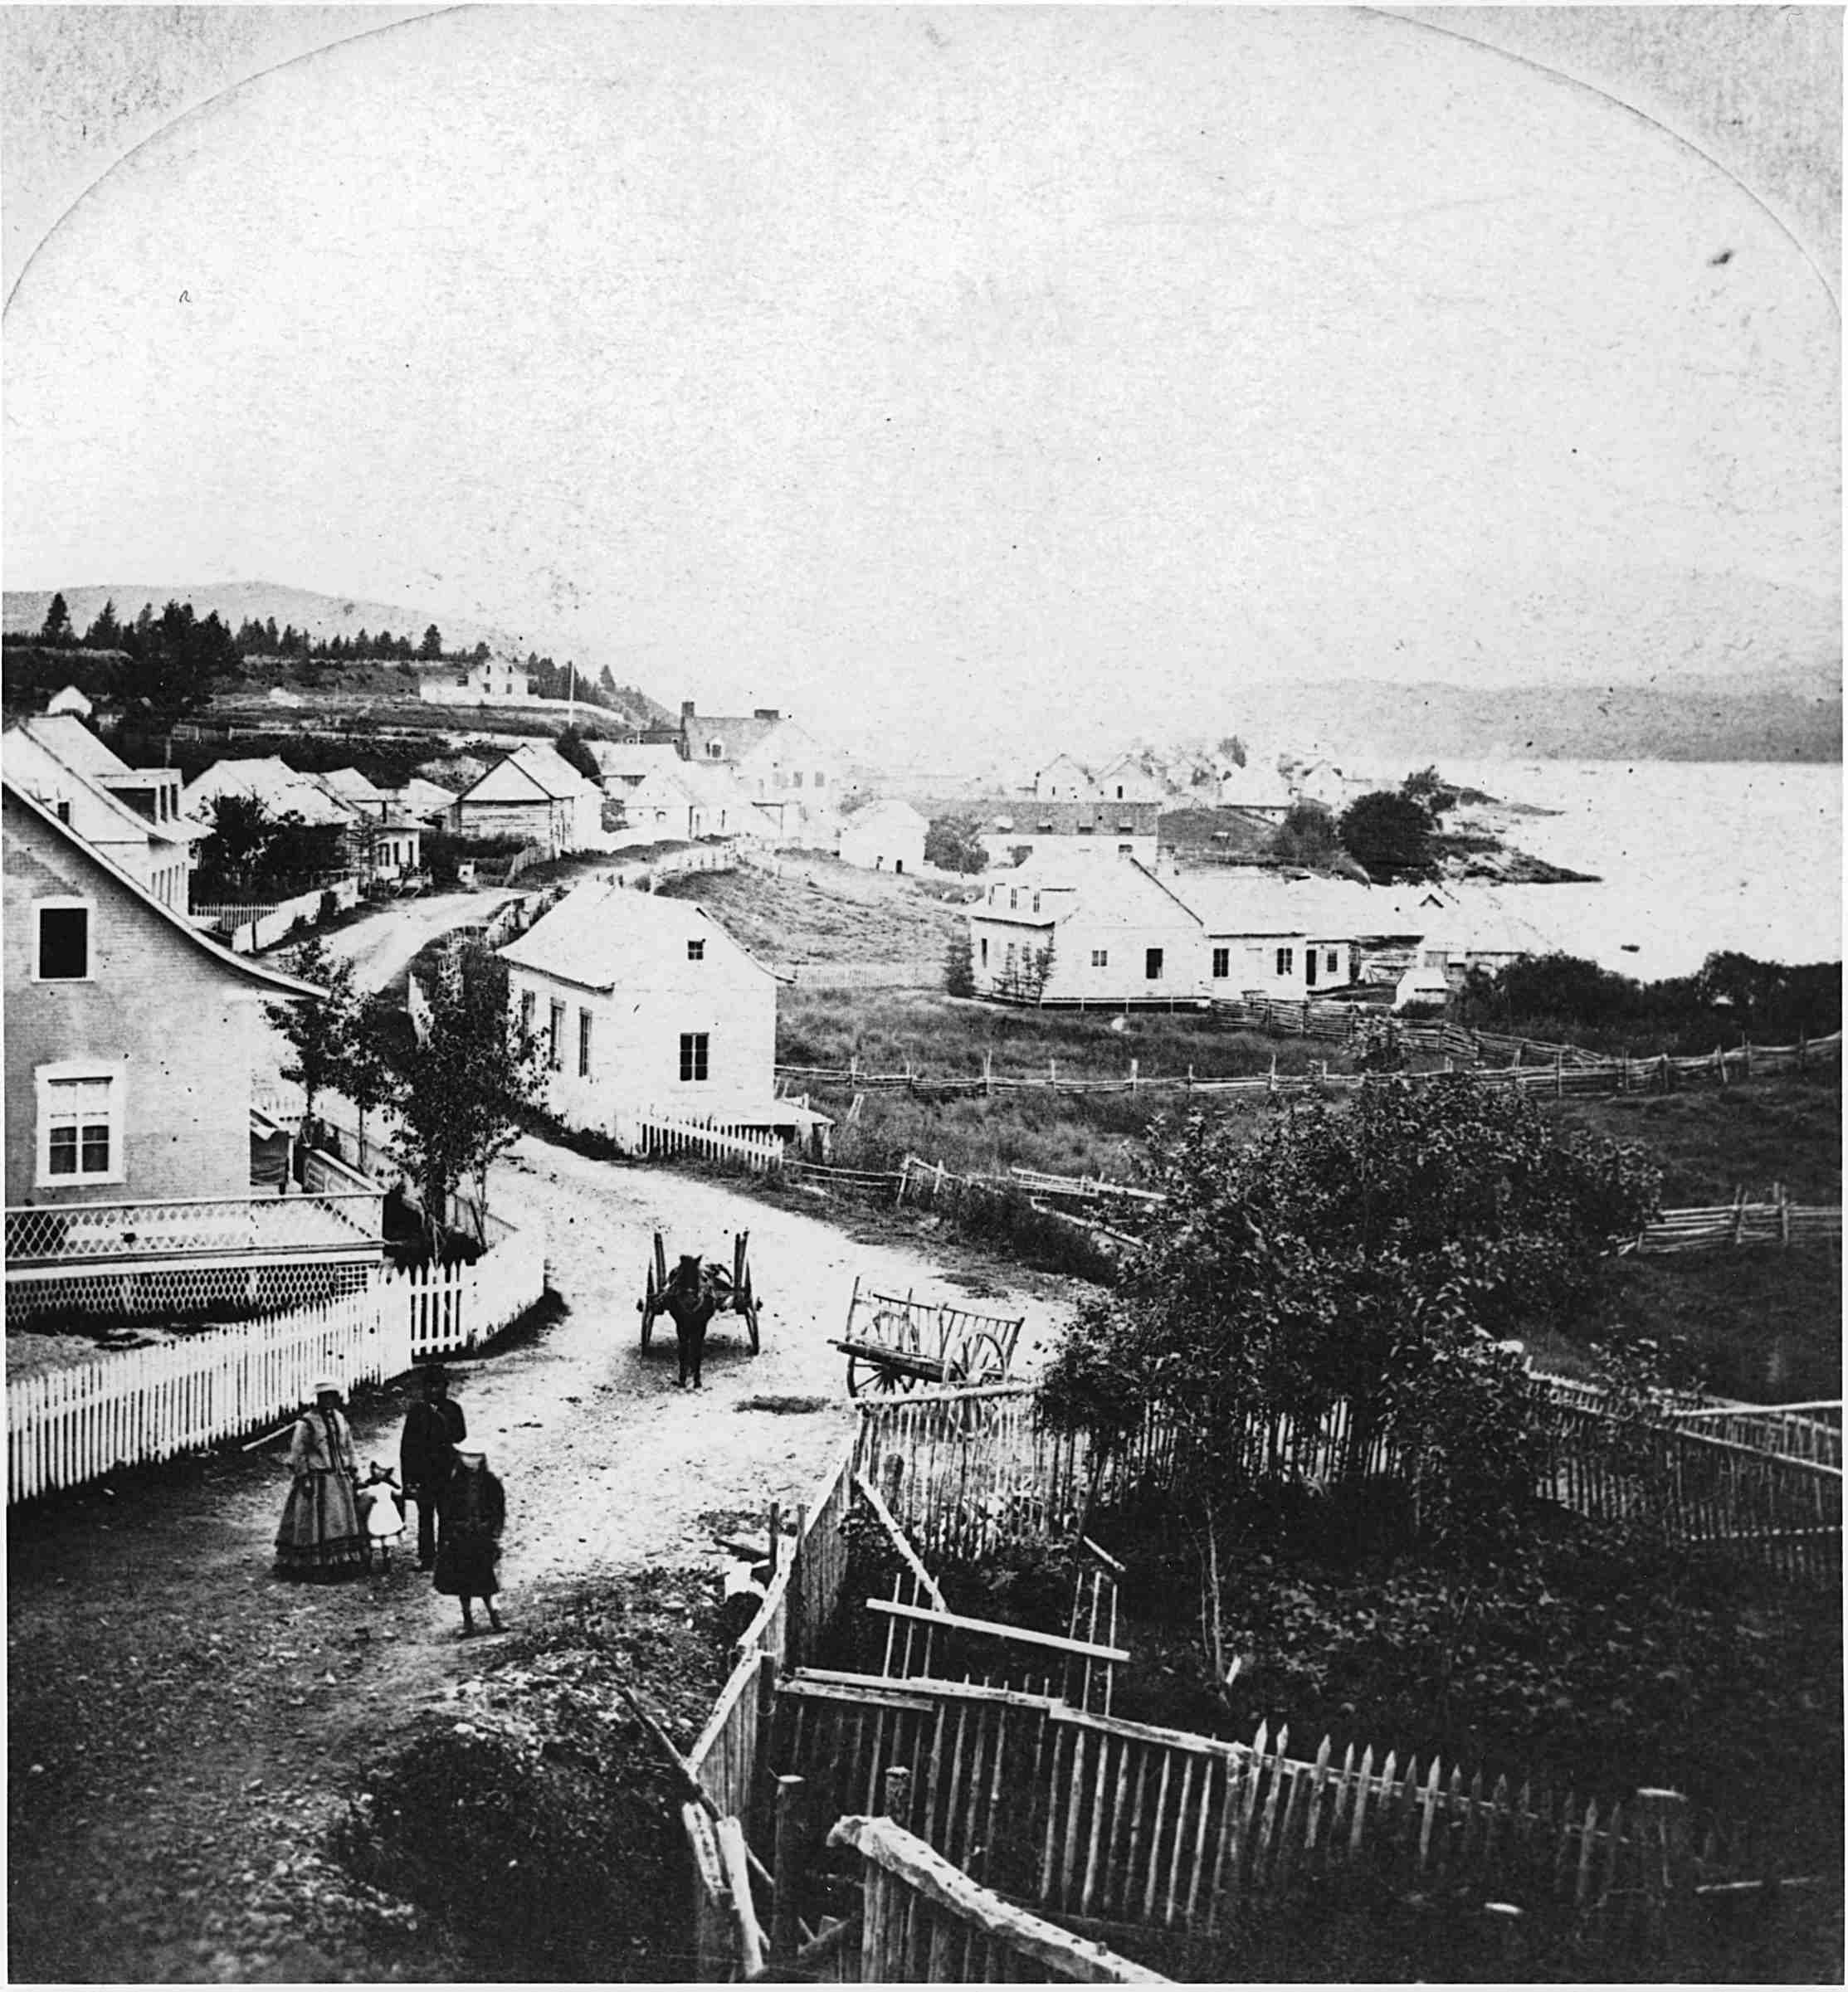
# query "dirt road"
(381, 947)
(183, 1727)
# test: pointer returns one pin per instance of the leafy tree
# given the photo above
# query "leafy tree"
(1375, 1256)
(318, 1028)
(368, 1076)
(432, 644)
(480, 653)
(105, 632)
(233, 854)
(301, 852)
(1388, 834)
(465, 1083)
(57, 622)
(1233, 749)
(1307, 836)
(1431, 793)
(954, 844)
(960, 966)
(572, 746)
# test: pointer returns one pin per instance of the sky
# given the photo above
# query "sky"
(952, 376)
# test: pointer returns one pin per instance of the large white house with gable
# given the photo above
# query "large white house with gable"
(643, 1003)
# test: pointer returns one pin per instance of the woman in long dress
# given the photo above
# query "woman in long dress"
(471, 1513)
(320, 1536)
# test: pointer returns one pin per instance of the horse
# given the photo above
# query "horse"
(689, 1298)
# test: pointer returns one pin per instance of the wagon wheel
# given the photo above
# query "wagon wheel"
(893, 1328)
(650, 1307)
(979, 1360)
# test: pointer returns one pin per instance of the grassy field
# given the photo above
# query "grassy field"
(822, 910)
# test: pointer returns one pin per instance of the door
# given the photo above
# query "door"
(1308, 966)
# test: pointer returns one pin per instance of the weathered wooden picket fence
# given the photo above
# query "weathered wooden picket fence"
(727, 1759)
(923, 1921)
(132, 1407)
(1765, 1489)
(1098, 1819)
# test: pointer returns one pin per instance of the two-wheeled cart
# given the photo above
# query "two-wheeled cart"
(893, 1344)
(730, 1286)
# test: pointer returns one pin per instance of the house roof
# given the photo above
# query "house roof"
(65, 735)
(895, 814)
(600, 934)
(96, 778)
(273, 782)
(737, 732)
(350, 786)
(1106, 889)
(239, 966)
(1027, 814)
(1269, 903)
(423, 798)
(543, 772)
(632, 760)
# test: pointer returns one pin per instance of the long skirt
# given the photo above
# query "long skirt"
(466, 1560)
(321, 1535)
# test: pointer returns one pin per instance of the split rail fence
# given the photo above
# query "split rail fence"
(1547, 1070)
(132, 1407)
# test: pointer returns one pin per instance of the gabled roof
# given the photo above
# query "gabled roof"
(274, 783)
(1246, 902)
(601, 936)
(349, 785)
(423, 798)
(898, 815)
(94, 780)
(1106, 889)
(239, 966)
(65, 735)
(631, 760)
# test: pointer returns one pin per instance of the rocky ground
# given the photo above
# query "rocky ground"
(185, 1730)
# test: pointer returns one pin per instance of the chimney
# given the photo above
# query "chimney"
(767, 712)
(686, 708)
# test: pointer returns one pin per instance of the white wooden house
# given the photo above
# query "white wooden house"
(645, 1004)
(1063, 779)
(1117, 934)
(776, 763)
(1268, 935)
(132, 815)
(883, 836)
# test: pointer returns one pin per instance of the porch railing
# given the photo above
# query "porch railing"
(242, 1225)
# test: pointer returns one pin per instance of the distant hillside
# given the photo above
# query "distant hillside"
(1787, 719)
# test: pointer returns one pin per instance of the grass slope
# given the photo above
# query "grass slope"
(822, 910)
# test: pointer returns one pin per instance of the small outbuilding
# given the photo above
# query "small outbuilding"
(883, 836)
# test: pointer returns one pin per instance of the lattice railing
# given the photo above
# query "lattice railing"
(248, 1226)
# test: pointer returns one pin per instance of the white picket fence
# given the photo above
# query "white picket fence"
(135, 1406)
(662, 1136)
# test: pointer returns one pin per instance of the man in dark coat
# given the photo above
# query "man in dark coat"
(433, 1428)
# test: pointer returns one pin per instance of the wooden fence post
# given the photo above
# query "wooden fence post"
(898, 1794)
(1133, 1069)
(987, 1074)
(785, 1934)
(1668, 1872)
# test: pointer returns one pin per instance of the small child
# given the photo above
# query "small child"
(381, 1511)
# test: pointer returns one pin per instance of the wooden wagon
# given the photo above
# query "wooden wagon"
(731, 1285)
(893, 1344)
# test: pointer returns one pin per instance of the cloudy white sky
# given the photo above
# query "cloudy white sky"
(953, 370)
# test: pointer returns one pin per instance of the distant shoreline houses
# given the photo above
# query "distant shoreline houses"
(1127, 933)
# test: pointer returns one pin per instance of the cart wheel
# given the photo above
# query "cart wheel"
(869, 1377)
(980, 1361)
(649, 1306)
(747, 1308)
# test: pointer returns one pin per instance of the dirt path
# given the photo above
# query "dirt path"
(183, 1727)
(381, 947)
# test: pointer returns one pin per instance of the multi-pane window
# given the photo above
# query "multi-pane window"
(1332, 961)
(584, 1043)
(1286, 960)
(77, 1129)
(63, 944)
(554, 1034)
(1221, 962)
(1100, 957)
(696, 1051)
(695, 951)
